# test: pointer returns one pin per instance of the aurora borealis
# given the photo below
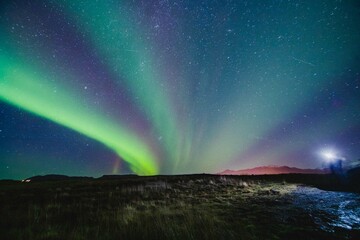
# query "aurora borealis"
(170, 87)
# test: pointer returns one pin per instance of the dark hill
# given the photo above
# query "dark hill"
(55, 177)
(269, 170)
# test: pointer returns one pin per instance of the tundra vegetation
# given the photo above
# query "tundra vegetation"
(176, 207)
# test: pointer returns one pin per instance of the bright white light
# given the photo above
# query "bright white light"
(329, 154)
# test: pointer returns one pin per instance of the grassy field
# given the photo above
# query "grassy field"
(168, 207)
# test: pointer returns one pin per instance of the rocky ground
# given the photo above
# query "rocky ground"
(176, 207)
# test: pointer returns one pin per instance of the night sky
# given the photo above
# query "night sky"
(169, 87)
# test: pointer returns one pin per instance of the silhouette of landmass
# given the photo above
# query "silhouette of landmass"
(268, 170)
(54, 177)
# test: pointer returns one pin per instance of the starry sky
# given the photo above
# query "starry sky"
(171, 87)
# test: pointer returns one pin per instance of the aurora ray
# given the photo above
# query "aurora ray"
(116, 36)
(181, 86)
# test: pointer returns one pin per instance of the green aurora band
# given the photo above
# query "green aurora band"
(21, 87)
(128, 56)
(206, 86)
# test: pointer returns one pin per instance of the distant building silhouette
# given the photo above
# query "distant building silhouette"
(336, 166)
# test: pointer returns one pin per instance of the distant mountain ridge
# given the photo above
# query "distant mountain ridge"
(54, 177)
(268, 170)
(264, 170)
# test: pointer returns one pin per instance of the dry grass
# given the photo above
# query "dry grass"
(202, 207)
